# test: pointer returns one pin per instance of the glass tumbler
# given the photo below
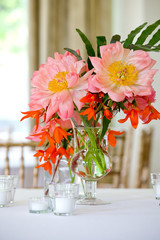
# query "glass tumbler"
(155, 180)
(65, 196)
(15, 183)
(6, 185)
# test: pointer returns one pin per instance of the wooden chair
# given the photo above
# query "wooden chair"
(120, 156)
(20, 147)
(143, 168)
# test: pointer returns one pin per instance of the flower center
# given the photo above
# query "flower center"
(122, 73)
(58, 83)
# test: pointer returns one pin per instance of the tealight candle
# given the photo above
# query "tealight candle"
(39, 205)
(64, 205)
(65, 196)
(5, 196)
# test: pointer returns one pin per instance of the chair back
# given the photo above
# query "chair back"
(19, 147)
(143, 168)
(120, 157)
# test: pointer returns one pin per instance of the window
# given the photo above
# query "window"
(14, 87)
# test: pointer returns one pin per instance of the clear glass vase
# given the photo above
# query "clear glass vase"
(61, 175)
(90, 161)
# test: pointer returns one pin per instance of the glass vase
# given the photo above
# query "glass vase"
(90, 161)
(61, 175)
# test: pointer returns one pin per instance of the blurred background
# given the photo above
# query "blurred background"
(32, 30)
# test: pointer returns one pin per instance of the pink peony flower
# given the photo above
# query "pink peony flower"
(122, 72)
(58, 84)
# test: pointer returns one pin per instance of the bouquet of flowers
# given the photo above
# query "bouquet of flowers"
(68, 92)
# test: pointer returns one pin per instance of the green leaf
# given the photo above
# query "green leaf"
(146, 48)
(105, 98)
(132, 35)
(147, 32)
(74, 53)
(121, 105)
(101, 40)
(89, 48)
(155, 38)
(90, 66)
(105, 125)
(115, 38)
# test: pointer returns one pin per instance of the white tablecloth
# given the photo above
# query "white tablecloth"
(133, 214)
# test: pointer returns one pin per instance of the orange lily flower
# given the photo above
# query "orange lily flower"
(108, 114)
(111, 138)
(133, 115)
(47, 166)
(88, 98)
(43, 136)
(33, 114)
(81, 174)
(151, 112)
(39, 153)
(59, 133)
(91, 113)
(70, 151)
(49, 153)
(61, 151)
(91, 98)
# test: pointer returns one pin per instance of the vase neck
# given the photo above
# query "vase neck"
(90, 189)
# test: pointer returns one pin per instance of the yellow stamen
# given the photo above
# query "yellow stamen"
(58, 83)
(122, 73)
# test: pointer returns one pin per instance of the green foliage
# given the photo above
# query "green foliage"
(147, 32)
(139, 44)
(115, 38)
(155, 38)
(105, 125)
(74, 53)
(88, 45)
(133, 34)
(101, 40)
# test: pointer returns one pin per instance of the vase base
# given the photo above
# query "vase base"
(91, 201)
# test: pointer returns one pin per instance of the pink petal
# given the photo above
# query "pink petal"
(97, 63)
(77, 95)
(116, 96)
(72, 79)
(66, 107)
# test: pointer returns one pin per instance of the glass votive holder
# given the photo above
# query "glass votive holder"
(155, 180)
(15, 183)
(40, 205)
(6, 185)
(65, 196)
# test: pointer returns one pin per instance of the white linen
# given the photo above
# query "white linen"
(133, 214)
